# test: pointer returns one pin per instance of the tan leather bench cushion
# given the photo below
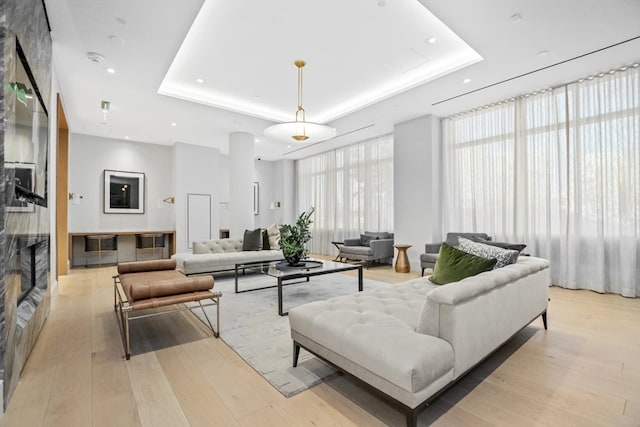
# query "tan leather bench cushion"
(141, 266)
(161, 288)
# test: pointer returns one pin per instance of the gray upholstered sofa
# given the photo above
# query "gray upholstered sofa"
(430, 256)
(370, 246)
(212, 256)
(412, 340)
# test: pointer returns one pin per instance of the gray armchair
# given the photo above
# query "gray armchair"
(429, 258)
(370, 246)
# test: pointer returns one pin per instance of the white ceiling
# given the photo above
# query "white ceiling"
(244, 51)
(386, 53)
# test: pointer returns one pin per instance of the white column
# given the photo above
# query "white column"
(241, 178)
(416, 184)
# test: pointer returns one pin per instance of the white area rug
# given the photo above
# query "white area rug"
(251, 326)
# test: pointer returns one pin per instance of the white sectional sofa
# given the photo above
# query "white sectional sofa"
(412, 340)
(212, 256)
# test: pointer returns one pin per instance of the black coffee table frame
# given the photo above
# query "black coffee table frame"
(292, 276)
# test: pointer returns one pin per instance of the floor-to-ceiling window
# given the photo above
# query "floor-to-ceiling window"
(559, 170)
(352, 190)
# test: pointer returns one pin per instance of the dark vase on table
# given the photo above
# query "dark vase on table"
(294, 260)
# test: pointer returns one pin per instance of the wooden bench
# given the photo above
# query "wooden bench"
(145, 286)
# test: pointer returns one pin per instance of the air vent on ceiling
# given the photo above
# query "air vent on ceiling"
(95, 57)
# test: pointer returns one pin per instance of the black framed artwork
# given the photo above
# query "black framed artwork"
(123, 192)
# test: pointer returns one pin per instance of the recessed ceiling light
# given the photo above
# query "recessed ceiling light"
(126, 137)
(467, 80)
(543, 53)
(200, 80)
(516, 18)
(256, 97)
(432, 40)
(257, 140)
(174, 124)
(111, 70)
(116, 39)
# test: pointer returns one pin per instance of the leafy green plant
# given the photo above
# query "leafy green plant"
(294, 237)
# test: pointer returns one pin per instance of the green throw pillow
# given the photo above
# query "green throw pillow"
(453, 265)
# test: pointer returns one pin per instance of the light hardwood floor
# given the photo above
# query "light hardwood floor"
(583, 371)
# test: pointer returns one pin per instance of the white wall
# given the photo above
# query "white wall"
(89, 156)
(169, 171)
(241, 179)
(266, 178)
(197, 171)
(285, 191)
(416, 184)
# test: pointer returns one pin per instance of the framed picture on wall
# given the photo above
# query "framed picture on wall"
(23, 178)
(123, 192)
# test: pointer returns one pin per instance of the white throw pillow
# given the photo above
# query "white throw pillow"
(504, 256)
(274, 236)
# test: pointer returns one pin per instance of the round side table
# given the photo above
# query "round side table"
(402, 261)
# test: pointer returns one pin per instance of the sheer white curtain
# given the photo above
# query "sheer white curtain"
(560, 171)
(351, 189)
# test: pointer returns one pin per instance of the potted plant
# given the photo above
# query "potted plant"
(294, 237)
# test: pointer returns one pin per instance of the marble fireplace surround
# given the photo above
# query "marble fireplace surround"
(24, 236)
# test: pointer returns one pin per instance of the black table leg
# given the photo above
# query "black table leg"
(360, 278)
(280, 297)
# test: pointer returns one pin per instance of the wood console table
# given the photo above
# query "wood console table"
(126, 245)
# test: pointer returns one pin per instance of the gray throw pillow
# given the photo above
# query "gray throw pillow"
(504, 245)
(252, 240)
(504, 256)
(375, 235)
(366, 240)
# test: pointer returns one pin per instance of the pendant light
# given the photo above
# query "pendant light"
(300, 130)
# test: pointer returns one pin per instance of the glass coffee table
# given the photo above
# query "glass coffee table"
(286, 275)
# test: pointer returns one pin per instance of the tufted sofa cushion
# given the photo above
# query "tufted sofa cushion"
(375, 330)
(217, 246)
